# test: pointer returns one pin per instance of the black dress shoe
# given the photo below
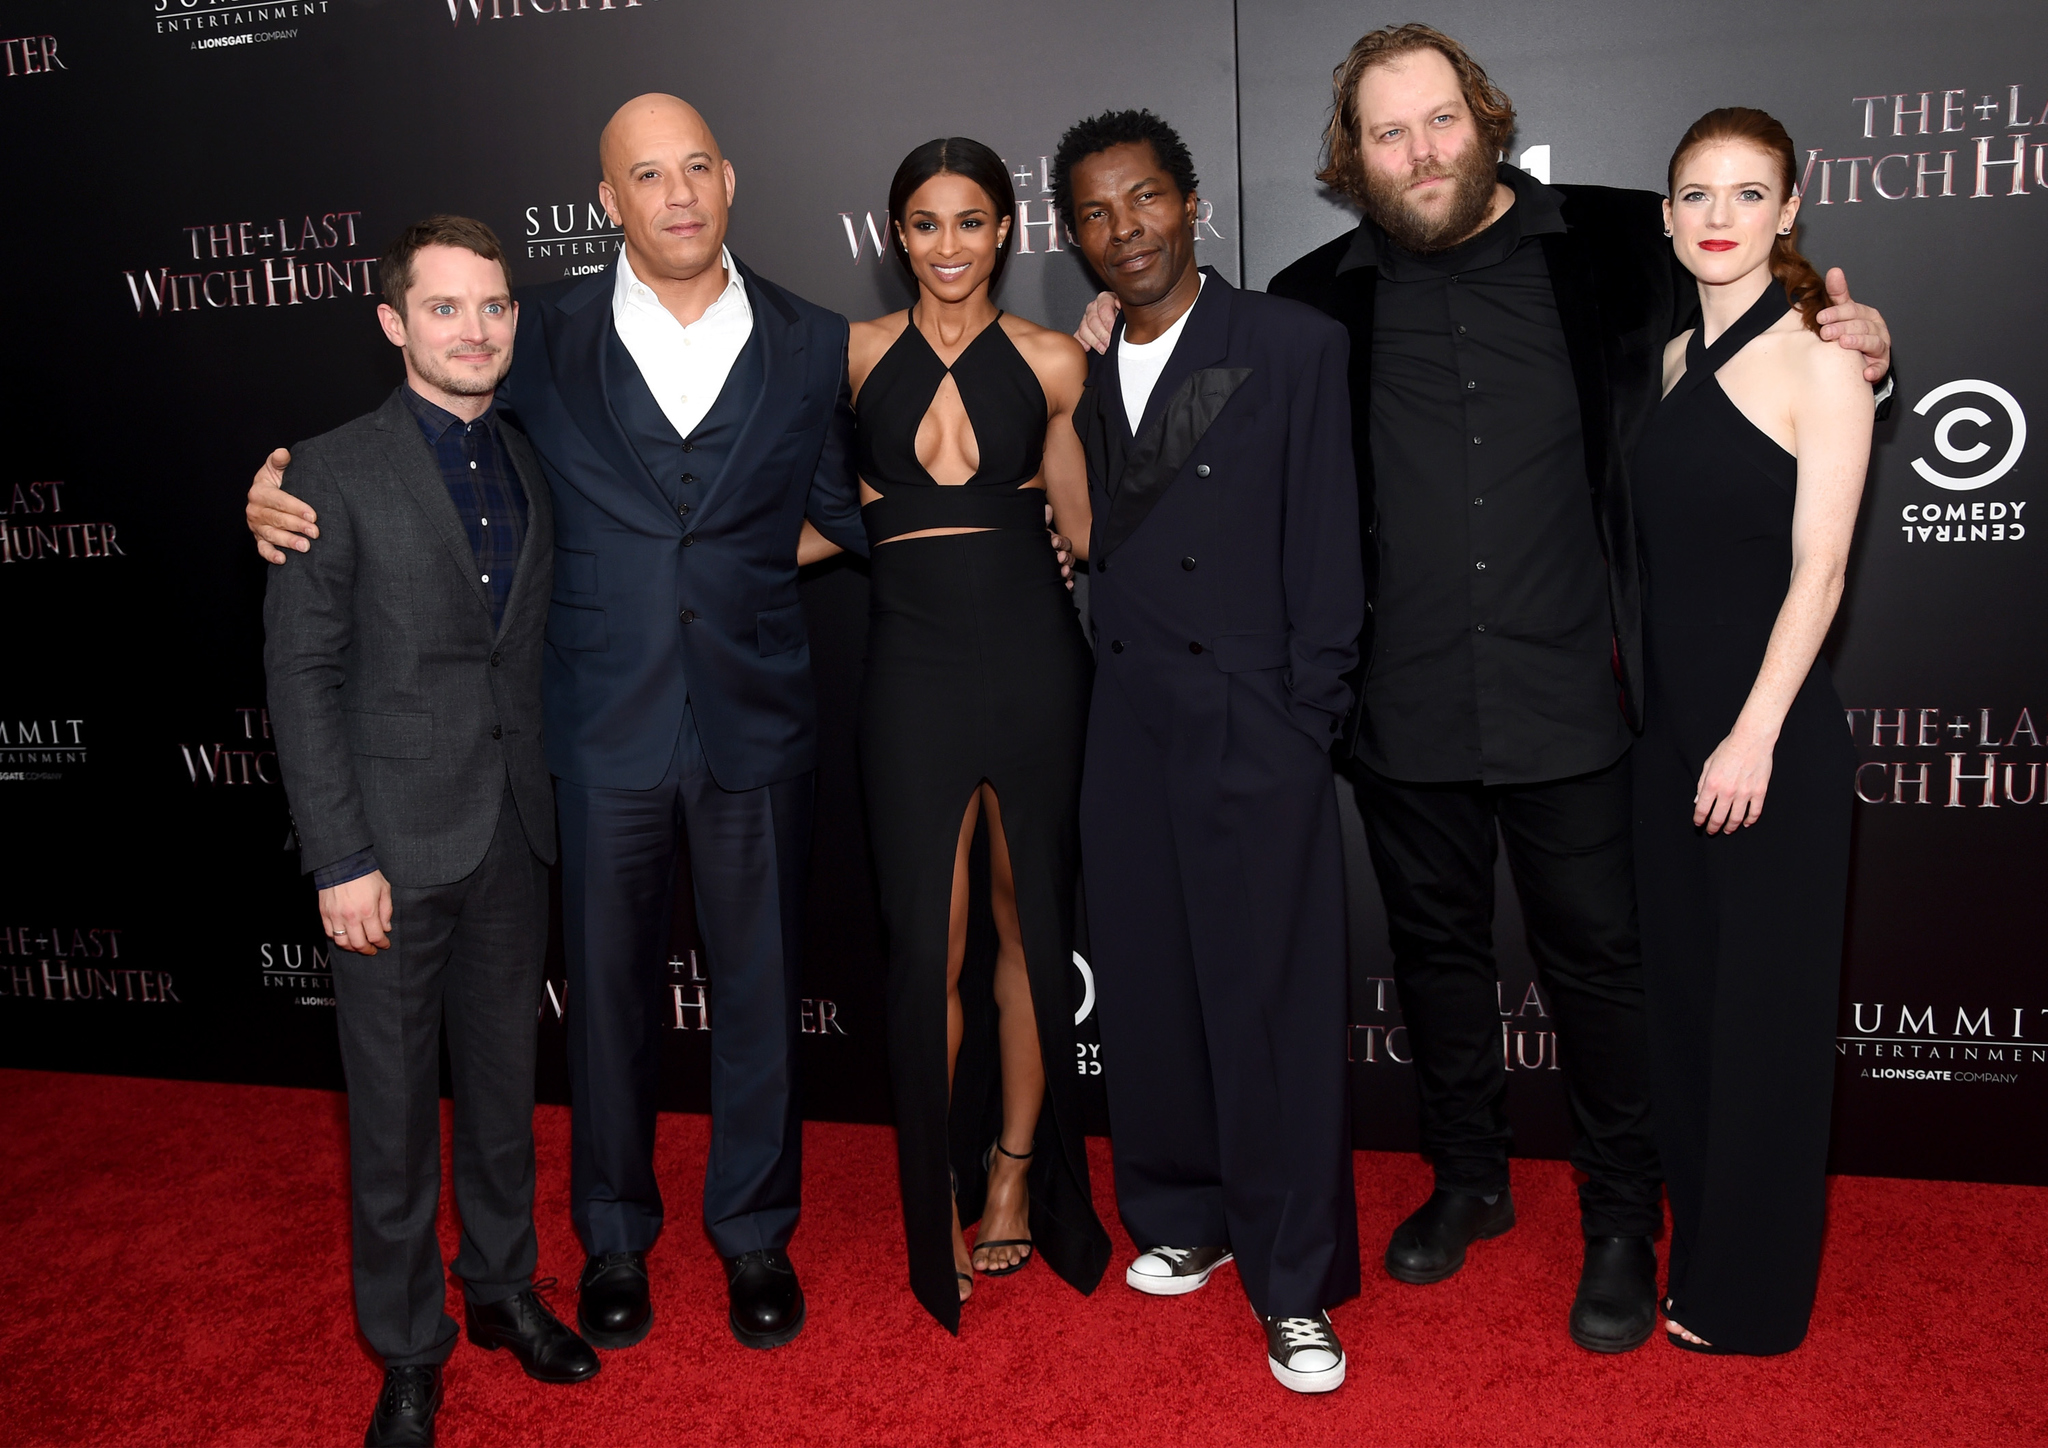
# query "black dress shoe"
(612, 1309)
(767, 1303)
(404, 1416)
(544, 1346)
(1430, 1245)
(1616, 1308)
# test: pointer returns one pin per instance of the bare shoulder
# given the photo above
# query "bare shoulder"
(867, 341)
(1826, 372)
(1060, 362)
(1674, 358)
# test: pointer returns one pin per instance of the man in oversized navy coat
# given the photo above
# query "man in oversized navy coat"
(689, 415)
(1225, 600)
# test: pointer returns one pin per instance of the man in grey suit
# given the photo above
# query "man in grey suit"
(403, 656)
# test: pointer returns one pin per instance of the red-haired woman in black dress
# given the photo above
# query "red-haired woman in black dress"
(1748, 479)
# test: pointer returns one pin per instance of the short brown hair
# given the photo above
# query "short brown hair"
(1342, 166)
(394, 268)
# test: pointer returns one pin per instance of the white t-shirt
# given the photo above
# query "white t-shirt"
(1138, 364)
(685, 367)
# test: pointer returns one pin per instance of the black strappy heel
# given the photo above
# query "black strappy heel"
(988, 1160)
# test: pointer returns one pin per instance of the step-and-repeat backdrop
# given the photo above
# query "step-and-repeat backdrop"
(201, 188)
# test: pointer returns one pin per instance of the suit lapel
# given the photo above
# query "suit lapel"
(782, 350)
(583, 373)
(1191, 392)
(537, 543)
(413, 461)
(1578, 310)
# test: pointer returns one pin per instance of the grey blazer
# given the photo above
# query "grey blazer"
(399, 715)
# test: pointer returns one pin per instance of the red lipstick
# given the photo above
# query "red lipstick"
(1718, 245)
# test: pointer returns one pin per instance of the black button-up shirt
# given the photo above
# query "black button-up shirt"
(484, 486)
(1492, 643)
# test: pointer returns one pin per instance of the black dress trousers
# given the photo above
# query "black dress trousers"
(1214, 874)
(467, 955)
(1568, 844)
(748, 853)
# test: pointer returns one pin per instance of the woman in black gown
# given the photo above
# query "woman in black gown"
(973, 712)
(1747, 482)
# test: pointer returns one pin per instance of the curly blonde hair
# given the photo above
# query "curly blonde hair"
(1343, 168)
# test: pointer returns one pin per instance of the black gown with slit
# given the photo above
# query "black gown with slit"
(976, 671)
(1742, 932)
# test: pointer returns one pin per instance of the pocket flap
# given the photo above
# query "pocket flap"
(781, 630)
(572, 626)
(575, 571)
(1241, 653)
(390, 736)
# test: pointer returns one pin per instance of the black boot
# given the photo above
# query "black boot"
(1616, 1308)
(544, 1346)
(404, 1416)
(612, 1309)
(767, 1303)
(1430, 1245)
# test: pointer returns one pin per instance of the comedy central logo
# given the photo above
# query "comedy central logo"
(1978, 432)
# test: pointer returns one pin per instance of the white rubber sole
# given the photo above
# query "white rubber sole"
(1171, 1286)
(1328, 1380)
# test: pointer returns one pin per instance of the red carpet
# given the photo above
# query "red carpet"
(176, 1272)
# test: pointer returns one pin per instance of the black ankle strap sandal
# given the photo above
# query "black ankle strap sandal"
(988, 1159)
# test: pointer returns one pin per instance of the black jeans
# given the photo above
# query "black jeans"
(1568, 844)
(467, 955)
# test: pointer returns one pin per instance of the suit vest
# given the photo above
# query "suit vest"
(703, 456)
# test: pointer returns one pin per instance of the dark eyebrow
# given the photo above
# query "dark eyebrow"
(692, 156)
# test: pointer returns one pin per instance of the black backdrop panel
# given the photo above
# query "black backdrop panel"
(202, 184)
(1924, 148)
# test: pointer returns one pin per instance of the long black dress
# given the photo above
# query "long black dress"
(976, 671)
(1742, 933)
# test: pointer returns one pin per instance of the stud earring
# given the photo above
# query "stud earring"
(1784, 231)
(1667, 231)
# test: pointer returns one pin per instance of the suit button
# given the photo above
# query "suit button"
(689, 540)
(1188, 564)
(1193, 647)
(684, 511)
(687, 478)
(494, 660)
(497, 731)
(689, 446)
(1201, 470)
(688, 615)
(1116, 646)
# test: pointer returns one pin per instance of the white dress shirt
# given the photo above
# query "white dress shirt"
(684, 367)
(1138, 364)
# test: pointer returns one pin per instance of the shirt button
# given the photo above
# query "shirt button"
(1469, 386)
(1475, 442)
(1482, 628)
(1461, 331)
(1479, 502)
(485, 521)
(1116, 646)
(688, 615)
(1188, 564)
(487, 578)
(472, 466)
(1201, 470)
(497, 731)
(1481, 566)
(683, 398)
(1193, 647)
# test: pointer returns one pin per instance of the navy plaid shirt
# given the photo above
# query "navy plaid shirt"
(484, 486)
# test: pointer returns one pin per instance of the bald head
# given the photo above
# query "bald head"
(648, 123)
(669, 187)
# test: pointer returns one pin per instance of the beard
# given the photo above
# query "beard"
(1472, 176)
(464, 383)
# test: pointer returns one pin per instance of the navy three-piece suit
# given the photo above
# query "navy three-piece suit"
(1226, 597)
(677, 697)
